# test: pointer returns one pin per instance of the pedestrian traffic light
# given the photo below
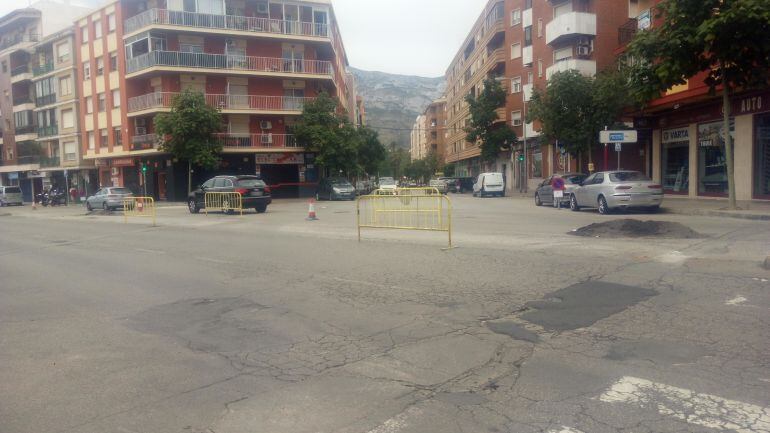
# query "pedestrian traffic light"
(144, 168)
(521, 157)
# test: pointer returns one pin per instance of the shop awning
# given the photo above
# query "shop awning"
(21, 167)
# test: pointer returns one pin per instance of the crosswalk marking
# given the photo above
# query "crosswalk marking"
(694, 408)
(565, 429)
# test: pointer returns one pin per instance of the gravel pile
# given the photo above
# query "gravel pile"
(631, 228)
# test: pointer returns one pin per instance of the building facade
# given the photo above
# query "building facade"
(257, 61)
(522, 43)
(418, 147)
(429, 132)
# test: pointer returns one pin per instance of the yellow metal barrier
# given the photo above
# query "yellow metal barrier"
(139, 207)
(429, 190)
(226, 202)
(407, 212)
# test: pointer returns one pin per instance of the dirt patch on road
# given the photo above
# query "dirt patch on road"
(637, 229)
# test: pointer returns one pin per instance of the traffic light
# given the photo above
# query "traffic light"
(144, 168)
(521, 157)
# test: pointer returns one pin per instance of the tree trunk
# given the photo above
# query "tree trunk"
(189, 177)
(728, 145)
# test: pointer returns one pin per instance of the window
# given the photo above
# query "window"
(113, 62)
(99, 67)
(63, 52)
(527, 4)
(91, 141)
(86, 70)
(515, 17)
(67, 119)
(539, 27)
(89, 104)
(528, 36)
(516, 85)
(102, 101)
(65, 86)
(540, 68)
(530, 78)
(516, 118)
(84, 34)
(191, 48)
(116, 98)
(118, 136)
(97, 29)
(70, 151)
(712, 158)
(515, 51)
(103, 139)
(537, 163)
(562, 54)
(111, 23)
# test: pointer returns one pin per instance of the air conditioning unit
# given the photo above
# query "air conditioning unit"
(583, 50)
(141, 130)
(267, 138)
(265, 124)
(584, 41)
(115, 171)
(262, 8)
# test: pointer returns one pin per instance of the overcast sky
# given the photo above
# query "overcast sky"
(411, 37)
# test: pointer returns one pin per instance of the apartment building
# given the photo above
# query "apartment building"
(30, 107)
(258, 61)
(685, 126)
(522, 43)
(418, 147)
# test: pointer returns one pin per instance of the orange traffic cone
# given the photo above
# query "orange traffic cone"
(311, 216)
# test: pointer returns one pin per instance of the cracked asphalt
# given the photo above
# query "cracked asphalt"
(269, 323)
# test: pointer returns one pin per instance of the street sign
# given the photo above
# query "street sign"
(618, 147)
(608, 137)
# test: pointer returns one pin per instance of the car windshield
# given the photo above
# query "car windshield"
(574, 179)
(387, 182)
(120, 191)
(251, 183)
(628, 176)
(341, 183)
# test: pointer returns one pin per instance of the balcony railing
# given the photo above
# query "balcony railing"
(25, 99)
(223, 102)
(52, 161)
(145, 142)
(23, 69)
(31, 159)
(45, 100)
(228, 22)
(228, 62)
(568, 25)
(10, 41)
(246, 141)
(585, 67)
(27, 129)
(627, 32)
(42, 69)
(48, 131)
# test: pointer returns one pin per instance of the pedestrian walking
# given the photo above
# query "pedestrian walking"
(557, 184)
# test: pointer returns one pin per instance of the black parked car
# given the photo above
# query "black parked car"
(255, 193)
(335, 188)
(466, 184)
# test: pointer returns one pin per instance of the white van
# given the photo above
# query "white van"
(489, 184)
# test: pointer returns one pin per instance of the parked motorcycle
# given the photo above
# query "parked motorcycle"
(56, 198)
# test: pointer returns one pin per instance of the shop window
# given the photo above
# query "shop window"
(536, 168)
(712, 158)
(675, 161)
(762, 157)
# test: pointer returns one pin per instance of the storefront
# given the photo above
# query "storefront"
(712, 158)
(762, 156)
(675, 160)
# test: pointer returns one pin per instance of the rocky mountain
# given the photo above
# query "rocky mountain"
(393, 102)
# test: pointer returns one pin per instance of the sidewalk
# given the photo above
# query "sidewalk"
(752, 210)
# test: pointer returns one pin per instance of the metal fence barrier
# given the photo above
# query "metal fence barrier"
(405, 212)
(139, 207)
(226, 202)
(408, 191)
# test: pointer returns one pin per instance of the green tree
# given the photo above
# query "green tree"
(726, 39)
(188, 130)
(371, 152)
(484, 126)
(573, 108)
(323, 130)
(449, 170)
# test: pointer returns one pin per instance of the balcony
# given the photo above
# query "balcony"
(569, 25)
(257, 141)
(45, 100)
(145, 142)
(230, 63)
(20, 73)
(30, 159)
(26, 39)
(21, 100)
(527, 89)
(27, 129)
(164, 17)
(42, 69)
(48, 162)
(272, 104)
(47, 131)
(585, 67)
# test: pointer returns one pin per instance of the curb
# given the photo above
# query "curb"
(718, 213)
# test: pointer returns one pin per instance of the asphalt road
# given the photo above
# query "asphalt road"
(270, 323)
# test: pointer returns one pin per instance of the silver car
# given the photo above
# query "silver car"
(110, 198)
(622, 189)
(10, 196)
(544, 192)
(440, 185)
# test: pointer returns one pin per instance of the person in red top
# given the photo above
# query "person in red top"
(557, 184)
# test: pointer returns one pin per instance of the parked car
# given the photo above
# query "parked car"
(335, 188)
(440, 185)
(363, 187)
(465, 184)
(609, 190)
(544, 191)
(489, 184)
(453, 184)
(254, 192)
(10, 196)
(108, 199)
(387, 183)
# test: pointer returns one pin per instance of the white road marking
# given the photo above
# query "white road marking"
(695, 408)
(142, 250)
(738, 300)
(674, 257)
(207, 259)
(565, 429)
(397, 423)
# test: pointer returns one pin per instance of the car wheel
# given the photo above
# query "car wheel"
(538, 202)
(573, 203)
(192, 206)
(105, 207)
(603, 208)
(261, 208)
(89, 207)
